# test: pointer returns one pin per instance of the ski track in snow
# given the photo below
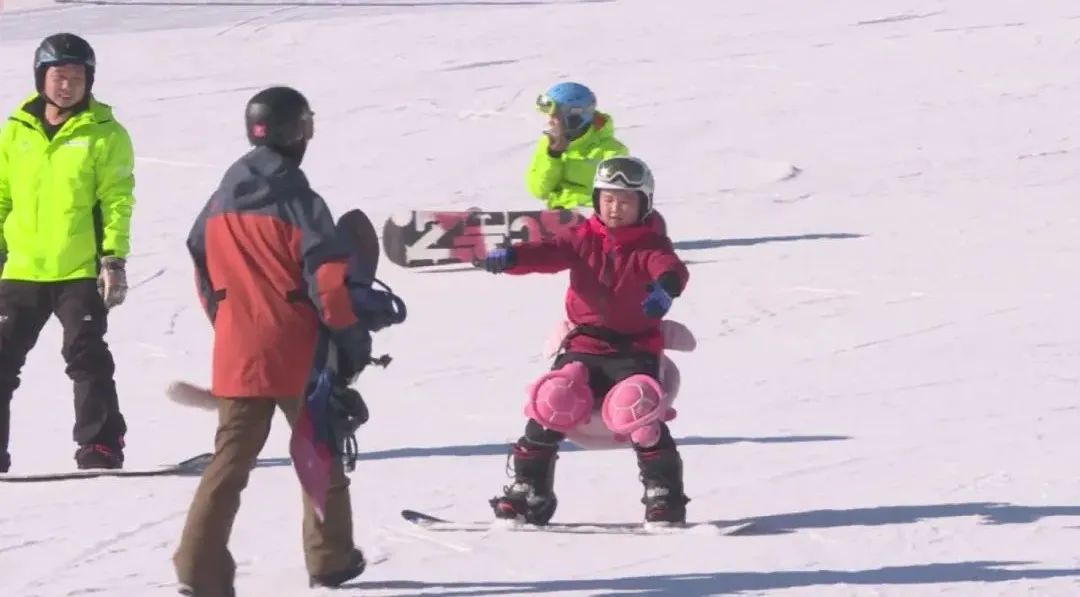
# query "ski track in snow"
(877, 203)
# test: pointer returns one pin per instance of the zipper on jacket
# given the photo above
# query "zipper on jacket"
(50, 147)
(607, 280)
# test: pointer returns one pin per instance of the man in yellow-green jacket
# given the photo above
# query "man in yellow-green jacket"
(66, 197)
(578, 137)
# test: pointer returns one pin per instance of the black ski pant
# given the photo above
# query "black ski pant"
(25, 307)
(604, 372)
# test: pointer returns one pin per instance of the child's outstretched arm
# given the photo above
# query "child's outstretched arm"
(669, 275)
(538, 257)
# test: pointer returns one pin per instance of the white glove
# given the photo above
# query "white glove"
(112, 281)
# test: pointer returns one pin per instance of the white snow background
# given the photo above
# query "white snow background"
(879, 204)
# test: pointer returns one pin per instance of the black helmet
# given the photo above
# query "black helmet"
(63, 48)
(279, 117)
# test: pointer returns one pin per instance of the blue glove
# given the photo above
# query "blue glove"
(498, 260)
(657, 303)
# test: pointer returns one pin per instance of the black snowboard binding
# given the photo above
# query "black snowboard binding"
(662, 478)
(348, 412)
(530, 498)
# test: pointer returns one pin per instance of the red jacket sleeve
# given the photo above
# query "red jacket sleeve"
(545, 256)
(665, 266)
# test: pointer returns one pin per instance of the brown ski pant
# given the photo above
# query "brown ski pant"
(203, 561)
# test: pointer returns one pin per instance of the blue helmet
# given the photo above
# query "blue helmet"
(574, 102)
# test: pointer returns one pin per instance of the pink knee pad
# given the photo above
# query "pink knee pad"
(561, 399)
(634, 408)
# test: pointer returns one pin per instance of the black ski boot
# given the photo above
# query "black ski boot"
(661, 475)
(5, 462)
(530, 497)
(95, 456)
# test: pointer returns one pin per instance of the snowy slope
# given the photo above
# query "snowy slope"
(878, 201)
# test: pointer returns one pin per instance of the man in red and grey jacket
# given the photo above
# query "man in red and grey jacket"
(271, 275)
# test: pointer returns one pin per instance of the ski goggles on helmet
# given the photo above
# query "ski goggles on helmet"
(548, 106)
(624, 172)
(48, 60)
(307, 124)
(64, 51)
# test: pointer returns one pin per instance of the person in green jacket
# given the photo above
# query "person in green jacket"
(577, 139)
(66, 197)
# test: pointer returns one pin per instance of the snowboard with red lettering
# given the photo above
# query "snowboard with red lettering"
(423, 238)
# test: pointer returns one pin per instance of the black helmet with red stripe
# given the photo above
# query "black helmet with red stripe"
(280, 117)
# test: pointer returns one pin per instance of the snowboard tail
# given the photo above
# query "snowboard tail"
(359, 233)
(189, 394)
(312, 460)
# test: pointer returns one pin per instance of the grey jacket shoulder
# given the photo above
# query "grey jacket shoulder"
(262, 179)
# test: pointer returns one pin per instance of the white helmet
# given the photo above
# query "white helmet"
(625, 172)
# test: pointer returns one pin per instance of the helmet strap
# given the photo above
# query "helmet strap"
(295, 150)
(644, 206)
(64, 113)
(573, 132)
(79, 106)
